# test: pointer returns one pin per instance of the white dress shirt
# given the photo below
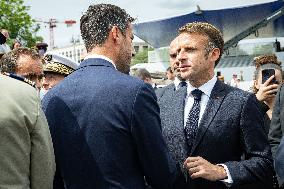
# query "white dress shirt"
(101, 57)
(176, 83)
(206, 89)
(189, 100)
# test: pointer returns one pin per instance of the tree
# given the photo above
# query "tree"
(15, 18)
(141, 57)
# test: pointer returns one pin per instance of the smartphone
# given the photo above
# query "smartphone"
(266, 74)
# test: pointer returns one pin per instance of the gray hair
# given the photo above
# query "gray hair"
(8, 62)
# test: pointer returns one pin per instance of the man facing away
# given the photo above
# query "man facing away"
(145, 75)
(26, 151)
(220, 128)
(106, 131)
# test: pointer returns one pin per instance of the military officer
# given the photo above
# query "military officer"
(57, 67)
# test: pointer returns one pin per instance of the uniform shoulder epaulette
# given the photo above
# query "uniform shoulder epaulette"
(20, 78)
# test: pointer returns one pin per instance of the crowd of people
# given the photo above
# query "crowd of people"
(64, 125)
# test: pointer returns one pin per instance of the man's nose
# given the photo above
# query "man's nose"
(45, 84)
(181, 55)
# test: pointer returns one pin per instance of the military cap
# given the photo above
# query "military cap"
(60, 64)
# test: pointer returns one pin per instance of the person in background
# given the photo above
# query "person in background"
(221, 78)
(55, 69)
(276, 131)
(23, 62)
(265, 90)
(26, 151)
(16, 44)
(5, 47)
(178, 82)
(2, 41)
(144, 75)
(170, 74)
(234, 82)
(279, 163)
(41, 48)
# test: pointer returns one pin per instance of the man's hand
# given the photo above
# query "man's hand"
(201, 168)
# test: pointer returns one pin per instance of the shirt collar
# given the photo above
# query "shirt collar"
(176, 82)
(101, 57)
(206, 88)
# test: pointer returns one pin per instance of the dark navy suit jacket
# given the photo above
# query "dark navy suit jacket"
(279, 162)
(106, 131)
(231, 132)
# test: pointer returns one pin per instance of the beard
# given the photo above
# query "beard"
(123, 61)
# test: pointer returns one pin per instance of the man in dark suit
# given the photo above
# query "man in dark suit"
(174, 63)
(279, 163)
(277, 122)
(276, 129)
(104, 123)
(219, 127)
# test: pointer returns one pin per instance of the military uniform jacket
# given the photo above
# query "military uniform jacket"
(26, 151)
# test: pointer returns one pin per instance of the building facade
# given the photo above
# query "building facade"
(77, 52)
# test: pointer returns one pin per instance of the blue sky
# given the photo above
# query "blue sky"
(143, 10)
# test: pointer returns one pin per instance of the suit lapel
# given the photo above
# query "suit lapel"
(172, 108)
(178, 106)
(174, 101)
(216, 98)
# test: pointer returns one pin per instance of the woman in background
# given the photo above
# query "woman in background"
(267, 79)
(266, 84)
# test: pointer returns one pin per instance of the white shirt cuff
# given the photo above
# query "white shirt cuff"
(228, 181)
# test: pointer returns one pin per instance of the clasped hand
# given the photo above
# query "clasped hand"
(201, 168)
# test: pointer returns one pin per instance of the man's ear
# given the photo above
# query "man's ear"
(215, 54)
(114, 33)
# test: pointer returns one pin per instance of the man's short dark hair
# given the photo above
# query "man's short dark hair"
(143, 74)
(215, 37)
(169, 69)
(97, 22)
(8, 63)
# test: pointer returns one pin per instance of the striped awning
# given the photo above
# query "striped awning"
(235, 61)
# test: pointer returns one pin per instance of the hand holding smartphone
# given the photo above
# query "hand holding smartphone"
(266, 74)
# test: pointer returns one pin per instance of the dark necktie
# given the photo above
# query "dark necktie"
(191, 125)
(181, 84)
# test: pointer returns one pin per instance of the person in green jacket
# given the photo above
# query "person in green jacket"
(26, 151)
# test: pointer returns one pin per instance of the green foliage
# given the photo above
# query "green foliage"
(141, 57)
(15, 18)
